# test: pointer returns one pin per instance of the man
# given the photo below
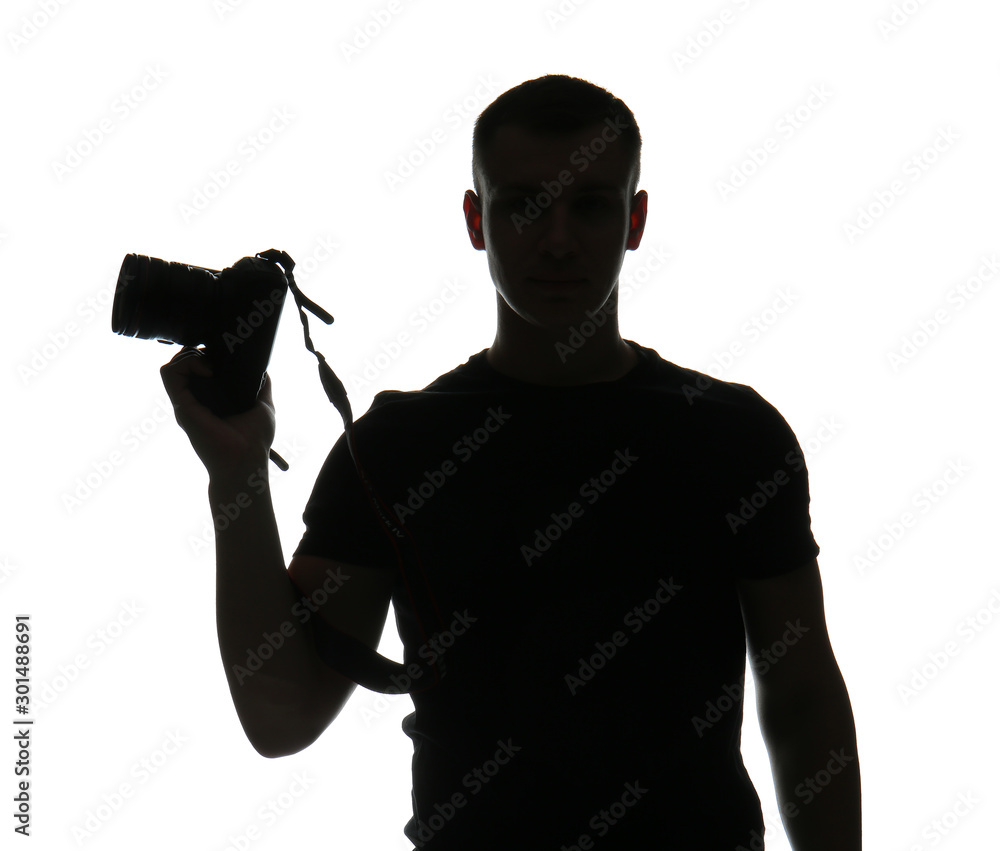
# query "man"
(594, 538)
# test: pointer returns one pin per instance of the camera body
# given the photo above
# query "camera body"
(232, 312)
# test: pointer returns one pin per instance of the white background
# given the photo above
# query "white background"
(85, 540)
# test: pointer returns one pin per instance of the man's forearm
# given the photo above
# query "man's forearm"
(817, 776)
(265, 650)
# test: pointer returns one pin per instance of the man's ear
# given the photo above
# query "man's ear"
(637, 219)
(474, 219)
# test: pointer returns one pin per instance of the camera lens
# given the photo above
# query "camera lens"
(163, 300)
(125, 312)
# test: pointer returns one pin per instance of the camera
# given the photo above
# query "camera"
(232, 312)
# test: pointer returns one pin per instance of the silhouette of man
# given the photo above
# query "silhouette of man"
(601, 536)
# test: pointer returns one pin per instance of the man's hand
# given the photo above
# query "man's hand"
(227, 446)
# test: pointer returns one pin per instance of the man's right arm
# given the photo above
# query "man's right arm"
(285, 698)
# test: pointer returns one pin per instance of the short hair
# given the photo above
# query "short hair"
(555, 104)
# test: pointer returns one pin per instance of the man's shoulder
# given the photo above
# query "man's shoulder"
(446, 394)
(733, 417)
(701, 391)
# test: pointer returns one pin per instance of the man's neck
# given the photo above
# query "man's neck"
(537, 361)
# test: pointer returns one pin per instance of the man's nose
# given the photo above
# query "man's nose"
(558, 238)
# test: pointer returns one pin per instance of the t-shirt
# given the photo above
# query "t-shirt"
(571, 560)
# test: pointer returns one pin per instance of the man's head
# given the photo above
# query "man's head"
(553, 105)
(555, 170)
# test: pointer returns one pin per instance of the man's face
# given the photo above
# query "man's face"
(555, 220)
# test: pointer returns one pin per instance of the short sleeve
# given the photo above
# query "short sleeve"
(765, 506)
(341, 523)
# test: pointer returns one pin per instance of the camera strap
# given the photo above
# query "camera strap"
(341, 651)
